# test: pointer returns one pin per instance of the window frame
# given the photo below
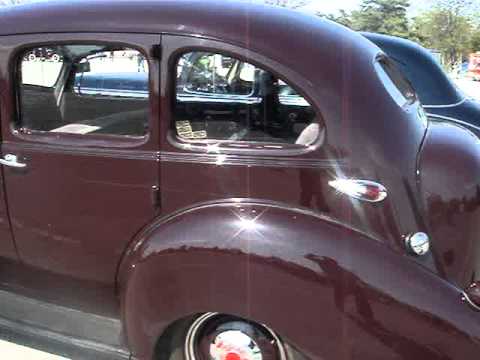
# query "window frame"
(228, 146)
(380, 64)
(137, 42)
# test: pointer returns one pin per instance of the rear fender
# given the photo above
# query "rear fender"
(326, 288)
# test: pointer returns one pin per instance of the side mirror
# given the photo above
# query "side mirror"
(83, 67)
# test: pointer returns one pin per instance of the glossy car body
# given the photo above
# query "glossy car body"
(441, 98)
(113, 239)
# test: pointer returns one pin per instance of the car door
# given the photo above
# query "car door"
(80, 162)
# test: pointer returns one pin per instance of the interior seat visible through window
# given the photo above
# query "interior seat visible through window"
(220, 98)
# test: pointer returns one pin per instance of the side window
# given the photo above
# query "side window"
(223, 99)
(84, 90)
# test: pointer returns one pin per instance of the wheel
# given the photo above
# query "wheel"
(220, 337)
(32, 57)
(214, 336)
(55, 57)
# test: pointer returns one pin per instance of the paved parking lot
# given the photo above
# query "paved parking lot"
(17, 352)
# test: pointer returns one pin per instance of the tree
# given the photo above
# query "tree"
(382, 16)
(344, 18)
(446, 29)
(462, 7)
(475, 40)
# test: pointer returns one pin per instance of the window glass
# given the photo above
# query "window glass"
(225, 99)
(395, 82)
(84, 89)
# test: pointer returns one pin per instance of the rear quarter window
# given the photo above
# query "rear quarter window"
(395, 82)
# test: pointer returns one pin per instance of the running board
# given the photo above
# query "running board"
(64, 331)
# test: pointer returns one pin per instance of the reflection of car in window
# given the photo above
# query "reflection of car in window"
(124, 84)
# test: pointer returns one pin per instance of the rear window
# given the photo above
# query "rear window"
(395, 82)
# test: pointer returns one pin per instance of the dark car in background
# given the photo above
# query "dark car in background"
(440, 96)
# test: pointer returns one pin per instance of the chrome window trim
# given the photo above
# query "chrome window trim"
(112, 92)
(466, 298)
(249, 148)
(215, 98)
(270, 160)
(446, 106)
(293, 100)
(205, 93)
(288, 100)
(441, 117)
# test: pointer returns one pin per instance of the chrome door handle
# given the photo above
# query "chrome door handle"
(12, 161)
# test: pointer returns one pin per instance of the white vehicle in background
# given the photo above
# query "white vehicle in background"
(43, 54)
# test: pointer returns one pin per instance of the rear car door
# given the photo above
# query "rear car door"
(80, 148)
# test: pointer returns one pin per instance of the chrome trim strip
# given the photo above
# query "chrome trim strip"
(287, 100)
(293, 100)
(174, 157)
(257, 161)
(441, 117)
(221, 100)
(446, 106)
(112, 93)
(213, 94)
(466, 298)
(130, 154)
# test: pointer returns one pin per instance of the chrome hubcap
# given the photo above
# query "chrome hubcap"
(234, 345)
(214, 336)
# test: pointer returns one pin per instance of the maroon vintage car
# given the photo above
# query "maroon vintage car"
(217, 180)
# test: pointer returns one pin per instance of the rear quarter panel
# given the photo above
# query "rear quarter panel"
(329, 290)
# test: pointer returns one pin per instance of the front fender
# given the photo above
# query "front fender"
(331, 291)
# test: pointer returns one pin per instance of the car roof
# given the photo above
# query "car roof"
(422, 69)
(234, 21)
(315, 54)
(198, 17)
